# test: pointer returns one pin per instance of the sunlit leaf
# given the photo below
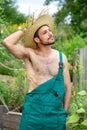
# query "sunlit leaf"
(82, 93)
(73, 119)
(84, 122)
(81, 110)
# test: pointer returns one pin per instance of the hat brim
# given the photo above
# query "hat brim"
(28, 39)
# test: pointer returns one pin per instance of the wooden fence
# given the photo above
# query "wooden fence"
(83, 62)
(9, 120)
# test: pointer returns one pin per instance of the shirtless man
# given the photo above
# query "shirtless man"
(42, 65)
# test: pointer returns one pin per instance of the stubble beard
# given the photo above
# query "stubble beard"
(47, 44)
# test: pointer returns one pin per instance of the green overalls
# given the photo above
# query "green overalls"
(43, 107)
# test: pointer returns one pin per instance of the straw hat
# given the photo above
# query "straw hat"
(28, 39)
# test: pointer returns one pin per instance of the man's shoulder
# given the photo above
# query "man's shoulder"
(29, 50)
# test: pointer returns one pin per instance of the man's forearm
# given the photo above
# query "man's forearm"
(11, 43)
(67, 98)
(13, 38)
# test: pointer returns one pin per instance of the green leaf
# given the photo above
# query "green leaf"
(84, 122)
(81, 110)
(73, 119)
(82, 93)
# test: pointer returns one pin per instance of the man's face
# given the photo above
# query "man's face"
(45, 36)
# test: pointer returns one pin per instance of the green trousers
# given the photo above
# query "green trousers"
(43, 107)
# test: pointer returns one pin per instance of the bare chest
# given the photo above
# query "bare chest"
(40, 69)
(46, 66)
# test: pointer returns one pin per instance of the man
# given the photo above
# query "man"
(48, 99)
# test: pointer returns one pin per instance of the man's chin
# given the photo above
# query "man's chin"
(48, 44)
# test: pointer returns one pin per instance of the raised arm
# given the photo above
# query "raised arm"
(67, 84)
(11, 43)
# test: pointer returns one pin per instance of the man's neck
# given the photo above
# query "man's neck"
(44, 51)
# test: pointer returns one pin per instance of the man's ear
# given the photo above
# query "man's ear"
(36, 39)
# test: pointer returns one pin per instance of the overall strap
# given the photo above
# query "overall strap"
(61, 60)
(60, 65)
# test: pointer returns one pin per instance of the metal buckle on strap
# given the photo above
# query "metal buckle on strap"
(61, 65)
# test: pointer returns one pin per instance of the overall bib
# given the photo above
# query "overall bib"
(43, 107)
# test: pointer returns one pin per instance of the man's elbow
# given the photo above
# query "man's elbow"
(5, 43)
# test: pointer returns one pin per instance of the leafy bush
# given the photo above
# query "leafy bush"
(4, 93)
(13, 94)
(69, 46)
(78, 111)
(77, 119)
(18, 90)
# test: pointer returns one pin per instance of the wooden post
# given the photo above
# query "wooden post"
(83, 63)
(2, 110)
(11, 120)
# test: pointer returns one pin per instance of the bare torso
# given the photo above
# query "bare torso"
(41, 68)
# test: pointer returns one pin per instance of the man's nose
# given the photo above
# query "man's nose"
(50, 33)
